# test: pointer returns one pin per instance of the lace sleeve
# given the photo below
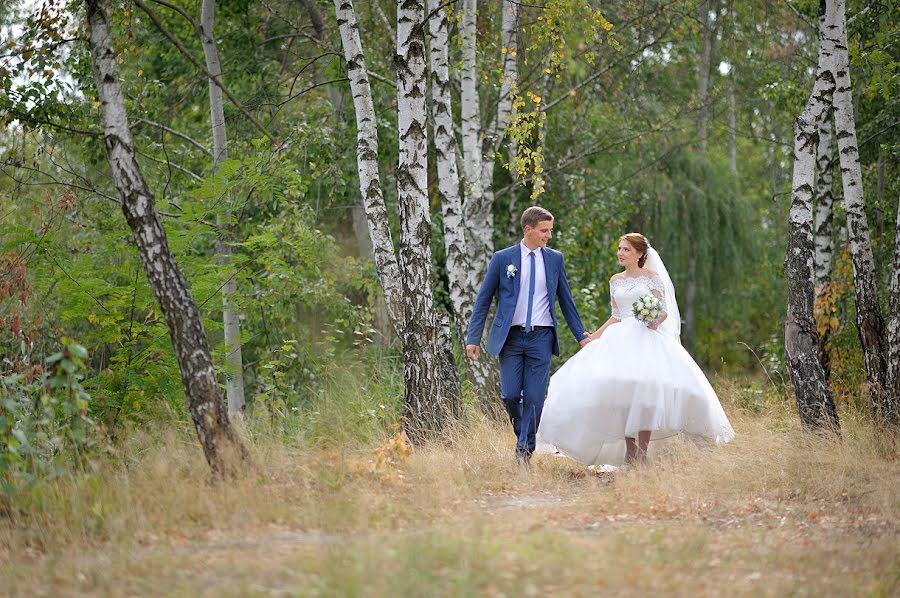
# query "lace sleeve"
(658, 288)
(614, 308)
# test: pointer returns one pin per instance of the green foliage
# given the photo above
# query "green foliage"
(836, 317)
(45, 430)
(341, 404)
(563, 37)
(697, 219)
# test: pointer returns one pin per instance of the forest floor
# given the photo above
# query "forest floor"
(775, 512)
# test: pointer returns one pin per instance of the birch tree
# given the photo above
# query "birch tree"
(367, 159)
(482, 373)
(893, 366)
(732, 124)
(801, 337)
(824, 201)
(470, 117)
(234, 370)
(480, 145)
(708, 32)
(358, 208)
(732, 95)
(823, 219)
(431, 395)
(869, 321)
(221, 446)
(432, 387)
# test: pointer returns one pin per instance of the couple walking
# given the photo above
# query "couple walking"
(630, 381)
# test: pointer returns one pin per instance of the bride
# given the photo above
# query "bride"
(635, 380)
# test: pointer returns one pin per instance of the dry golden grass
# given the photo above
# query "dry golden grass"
(777, 511)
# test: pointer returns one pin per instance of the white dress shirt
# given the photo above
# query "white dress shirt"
(540, 308)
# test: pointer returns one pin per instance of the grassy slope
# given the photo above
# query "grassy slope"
(775, 512)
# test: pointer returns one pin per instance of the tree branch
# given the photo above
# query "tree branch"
(36, 121)
(195, 143)
(297, 95)
(802, 16)
(162, 29)
(53, 181)
(182, 12)
(171, 164)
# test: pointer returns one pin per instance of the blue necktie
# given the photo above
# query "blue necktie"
(530, 293)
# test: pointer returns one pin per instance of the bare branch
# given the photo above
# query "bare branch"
(384, 20)
(298, 94)
(171, 164)
(380, 78)
(53, 125)
(182, 12)
(802, 16)
(53, 180)
(194, 142)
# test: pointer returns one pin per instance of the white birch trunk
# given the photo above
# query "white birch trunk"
(482, 221)
(221, 446)
(801, 338)
(367, 161)
(483, 373)
(824, 214)
(708, 33)
(461, 293)
(823, 217)
(470, 113)
(732, 125)
(382, 322)
(432, 387)
(234, 370)
(870, 323)
(894, 331)
(510, 83)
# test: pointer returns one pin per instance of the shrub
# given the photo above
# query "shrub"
(45, 430)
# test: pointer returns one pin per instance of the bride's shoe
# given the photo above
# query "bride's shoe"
(604, 468)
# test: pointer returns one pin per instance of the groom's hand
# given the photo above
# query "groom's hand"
(587, 338)
(473, 351)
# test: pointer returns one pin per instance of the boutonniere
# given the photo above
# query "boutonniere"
(510, 270)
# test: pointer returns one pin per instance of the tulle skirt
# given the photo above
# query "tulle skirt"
(632, 379)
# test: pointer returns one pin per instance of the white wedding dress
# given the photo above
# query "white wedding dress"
(631, 379)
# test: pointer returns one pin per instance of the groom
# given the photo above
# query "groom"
(527, 278)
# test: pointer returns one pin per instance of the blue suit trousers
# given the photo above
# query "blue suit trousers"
(524, 376)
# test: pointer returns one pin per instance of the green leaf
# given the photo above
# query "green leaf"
(78, 351)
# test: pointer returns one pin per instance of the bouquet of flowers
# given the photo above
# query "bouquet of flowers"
(647, 309)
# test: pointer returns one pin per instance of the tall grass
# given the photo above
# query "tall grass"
(337, 508)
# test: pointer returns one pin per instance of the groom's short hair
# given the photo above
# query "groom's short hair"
(534, 215)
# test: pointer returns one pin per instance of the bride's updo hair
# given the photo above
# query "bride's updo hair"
(640, 244)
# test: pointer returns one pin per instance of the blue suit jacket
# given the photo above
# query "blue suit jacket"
(506, 288)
